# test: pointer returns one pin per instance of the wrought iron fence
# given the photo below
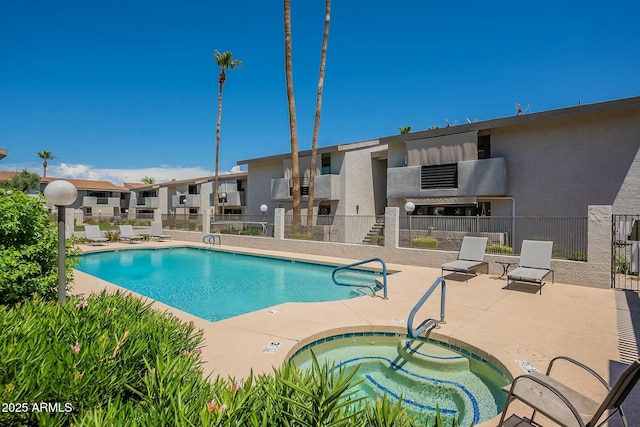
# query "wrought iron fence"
(361, 229)
(625, 252)
(505, 234)
(247, 225)
(184, 222)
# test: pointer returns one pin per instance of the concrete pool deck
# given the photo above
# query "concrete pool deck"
(599, 327)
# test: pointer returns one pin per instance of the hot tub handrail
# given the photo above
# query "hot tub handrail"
(428, 323)
(355, 264)
(211, 239)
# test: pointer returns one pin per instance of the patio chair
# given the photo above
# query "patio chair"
(564, 404)
(127, 234)
(156, 231)
(470, 257)
(93, 234)
(534, 264)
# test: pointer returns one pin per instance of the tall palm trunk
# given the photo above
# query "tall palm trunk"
(295, 169)
(316, 122)
(221, 78)
(44, 166)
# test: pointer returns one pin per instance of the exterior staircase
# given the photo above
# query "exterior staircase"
(376, 230)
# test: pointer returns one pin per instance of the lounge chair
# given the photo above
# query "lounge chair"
(127, 233)
(156, 231)
(565, 405)
(93, 234)
(534, 265)
(470, 257)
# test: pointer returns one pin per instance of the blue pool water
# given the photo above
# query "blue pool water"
(217, 285)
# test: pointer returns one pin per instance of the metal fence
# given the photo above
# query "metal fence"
(247, 225)
(625, 252)
(361, 229)
(184, 222)
(505, 234)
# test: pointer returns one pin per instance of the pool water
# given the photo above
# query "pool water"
(426, 373)
(218, 285)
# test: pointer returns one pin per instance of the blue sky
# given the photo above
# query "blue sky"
(119, 90)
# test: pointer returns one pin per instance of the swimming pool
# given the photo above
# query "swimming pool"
(425, 372)
(216, 285)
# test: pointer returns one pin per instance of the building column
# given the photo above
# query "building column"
(206, 221)
(391, 227)
(599, 244)
(278, 223)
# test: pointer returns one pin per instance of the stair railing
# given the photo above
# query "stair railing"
(428, 324)
(355, 264)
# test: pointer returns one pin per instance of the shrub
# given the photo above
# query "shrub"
(107, 350)
(578, 256)
(112, 235)
(252, 231)
(424, 242)
(622, 264)
(116, 361)
(376, 240)
(29, 249)
(499, 249)
(299, 236)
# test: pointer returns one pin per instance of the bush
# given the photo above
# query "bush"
(252, 231)
(578, 256)
(424, 242)
(112, 235)
(29, 249)
(499, 249)
(376, 240)
(107, 350)
(622, 264)
(112, 360)
(299, 236)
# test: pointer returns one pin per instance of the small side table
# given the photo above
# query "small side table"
(505, 266)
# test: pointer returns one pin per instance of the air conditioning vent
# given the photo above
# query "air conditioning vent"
(439, 176)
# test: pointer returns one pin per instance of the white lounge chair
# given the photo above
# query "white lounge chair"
(470, 257)
(93, 234)
(534, 265)
(156, 231)
(127, 233)
(565, 404)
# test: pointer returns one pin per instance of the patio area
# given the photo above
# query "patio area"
(600, 327)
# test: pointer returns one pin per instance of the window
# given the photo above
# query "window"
(326, 164)
(484, 146)
(193, 189)
(182, 200)
(439, 176)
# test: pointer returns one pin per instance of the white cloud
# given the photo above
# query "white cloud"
(162, 173)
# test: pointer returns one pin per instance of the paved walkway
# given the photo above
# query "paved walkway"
(600, 327)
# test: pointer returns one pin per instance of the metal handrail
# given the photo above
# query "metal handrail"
(211, 239)
(355, 264)
(429, 323)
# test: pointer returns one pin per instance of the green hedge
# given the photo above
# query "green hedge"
(424, 242)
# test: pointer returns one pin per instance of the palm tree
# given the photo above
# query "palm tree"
(45, 155)
(316, 122)
(224, 61)
(295, 168)
(404, 129)
(148, 180)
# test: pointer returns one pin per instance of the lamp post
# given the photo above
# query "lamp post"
(223, 196)
(263, 209)
(61, 194)
(409, 207)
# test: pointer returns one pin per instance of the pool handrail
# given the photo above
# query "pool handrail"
(211, 239)
(428, 323)
(355, 264)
